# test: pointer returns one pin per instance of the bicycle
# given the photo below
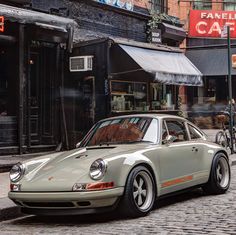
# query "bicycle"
(223, 137)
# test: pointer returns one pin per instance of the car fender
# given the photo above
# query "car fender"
(211, 149)
(127, 163)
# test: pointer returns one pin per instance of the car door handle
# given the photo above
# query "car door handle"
(194, 149)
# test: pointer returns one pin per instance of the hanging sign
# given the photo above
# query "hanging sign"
(156, 36)
(1, 23)
(211, 24)
(125, 4)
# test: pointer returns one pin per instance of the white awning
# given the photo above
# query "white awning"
(167, 67)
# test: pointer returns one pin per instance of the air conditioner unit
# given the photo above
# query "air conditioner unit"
(81, 63)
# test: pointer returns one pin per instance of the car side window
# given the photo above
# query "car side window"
(177, 129)
(151, 133)
(164, 131)
(194, 133)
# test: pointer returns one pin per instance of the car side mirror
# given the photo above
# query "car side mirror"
(77, 145)
(169, 139)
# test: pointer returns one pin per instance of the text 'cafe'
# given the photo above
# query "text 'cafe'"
(207, 49)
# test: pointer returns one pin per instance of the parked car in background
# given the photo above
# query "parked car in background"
(125, 162)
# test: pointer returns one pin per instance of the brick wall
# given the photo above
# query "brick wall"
(182, 9)
(142, 3)
(101, 21)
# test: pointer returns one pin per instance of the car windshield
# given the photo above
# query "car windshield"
(124, 131)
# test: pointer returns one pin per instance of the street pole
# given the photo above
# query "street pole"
(230, 90)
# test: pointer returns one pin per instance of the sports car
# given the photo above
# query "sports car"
(124, 163)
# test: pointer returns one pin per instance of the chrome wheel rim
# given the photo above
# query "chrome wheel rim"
(143, 190)
(222, 172)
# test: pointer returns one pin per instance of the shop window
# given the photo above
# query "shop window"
(162, 96)
(8, 96)
(8, 83)
(229, 5)
(128, 96)
(202, 5)
(159, 6)
(211, 90)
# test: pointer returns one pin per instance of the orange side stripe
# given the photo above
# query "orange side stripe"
(177, 181)
(1, 23)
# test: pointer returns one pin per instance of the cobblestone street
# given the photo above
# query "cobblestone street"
(189, 213)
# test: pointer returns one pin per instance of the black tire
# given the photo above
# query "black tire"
(221, 139)
(220, 175)
(134, 202)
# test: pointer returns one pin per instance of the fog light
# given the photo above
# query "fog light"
(79, 187)
(15, 187)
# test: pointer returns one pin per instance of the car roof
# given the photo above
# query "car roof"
(150, 115)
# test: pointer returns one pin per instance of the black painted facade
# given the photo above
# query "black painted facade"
(56, 107)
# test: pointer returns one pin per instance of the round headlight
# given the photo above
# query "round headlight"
(98, 169)
(17, 172)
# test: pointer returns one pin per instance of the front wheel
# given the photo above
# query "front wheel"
(140, 193)
(219, 179)
(221, 139)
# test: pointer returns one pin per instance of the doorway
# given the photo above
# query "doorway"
(42, 92)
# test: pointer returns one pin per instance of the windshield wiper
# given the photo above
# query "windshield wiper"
(139, 141)
(125, 142)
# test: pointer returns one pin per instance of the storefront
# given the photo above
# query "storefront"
(32, 47)
(123, 77)
(207, 50)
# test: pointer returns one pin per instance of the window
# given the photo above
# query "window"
(124, 131)
(229, 5)
(127, 96)
(164, 132)
(177, 129)
(202, 5)
(8, 84)
(159, 6)
(151, 133)
(194, 133)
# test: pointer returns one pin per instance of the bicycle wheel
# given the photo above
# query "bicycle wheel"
(221, 139)
(234, 141)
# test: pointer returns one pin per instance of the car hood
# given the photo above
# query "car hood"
(60, 173)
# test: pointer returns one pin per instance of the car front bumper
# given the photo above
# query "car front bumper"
(51, 203)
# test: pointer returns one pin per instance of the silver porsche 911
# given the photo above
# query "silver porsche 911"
(123, 163)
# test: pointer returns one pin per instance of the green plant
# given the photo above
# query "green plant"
(158, 18)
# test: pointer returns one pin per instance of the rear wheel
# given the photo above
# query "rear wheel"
(219, 179)
(140, 193)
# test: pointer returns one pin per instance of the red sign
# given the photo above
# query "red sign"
(210, 24)
(1, 23)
